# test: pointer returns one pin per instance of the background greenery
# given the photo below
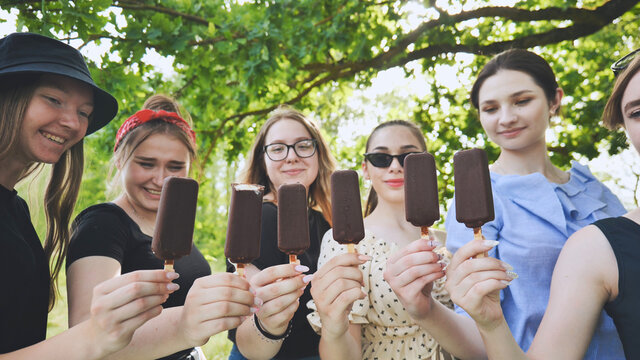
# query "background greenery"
(234, 61)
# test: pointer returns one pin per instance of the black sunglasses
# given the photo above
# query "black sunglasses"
(623, 62)
(382, 160)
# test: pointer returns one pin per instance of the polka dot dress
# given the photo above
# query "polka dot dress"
(388, 332)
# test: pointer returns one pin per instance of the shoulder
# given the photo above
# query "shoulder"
(105, 213)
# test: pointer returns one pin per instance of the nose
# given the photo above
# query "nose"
(158, 176)
(70, 119)
(508, 116)
(291, 155)
(395, 165)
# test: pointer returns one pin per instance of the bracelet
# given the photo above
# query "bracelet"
(267, 335)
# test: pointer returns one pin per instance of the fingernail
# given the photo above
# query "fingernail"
(258, 301)
(434, 243)
(506, 282)
(301, 268)
(512, 275)
(490, 243)
(439, 256)
(253, 310)
(173, 286)
(506, 266)
(307, 278)
(172, 275)
(364, 257)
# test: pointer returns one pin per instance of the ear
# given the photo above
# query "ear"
(557, 101)
(365, 170)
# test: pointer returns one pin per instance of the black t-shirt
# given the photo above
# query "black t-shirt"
(24, 300)
(624, 236)
(107, 230)
(302, 341)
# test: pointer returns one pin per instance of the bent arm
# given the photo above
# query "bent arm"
(345, 347)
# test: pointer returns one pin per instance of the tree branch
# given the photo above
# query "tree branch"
(134, 5)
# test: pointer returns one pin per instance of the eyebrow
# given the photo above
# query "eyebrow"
(55, 85)
(515, 94)
(295, 140)
(152, 159)
(631, 104)
(403, 147)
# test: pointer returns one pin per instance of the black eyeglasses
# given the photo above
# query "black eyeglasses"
(279, 151)
(382, 160)
(623, 62)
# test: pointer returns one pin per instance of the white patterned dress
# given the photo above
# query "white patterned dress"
(388, 332)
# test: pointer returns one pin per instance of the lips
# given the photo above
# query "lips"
(293, 172)
(511, 132)
(56, 139)
(153, 192)
(395, 182)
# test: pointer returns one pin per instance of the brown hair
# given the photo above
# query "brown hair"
(612, 116)
(255, 171)
(138, 135)
(372, 199)
(64, 183)
(523, 61)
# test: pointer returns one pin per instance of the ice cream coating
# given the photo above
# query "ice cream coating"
(348, 227)
(474, 199)
(242, 244)
(421, 189)
(173, 233)
(293, 219)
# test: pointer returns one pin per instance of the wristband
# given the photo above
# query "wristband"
(267, 335)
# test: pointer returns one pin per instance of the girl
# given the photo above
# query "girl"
(115, 237)
(288, 149)
(373, 324)
(537, 205)
(596, 269)
(48, 103)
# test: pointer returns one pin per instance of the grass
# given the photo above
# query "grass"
(217, 348)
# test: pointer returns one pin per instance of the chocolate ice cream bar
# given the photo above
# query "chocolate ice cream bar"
(348, 227)
(293, 220)
(421, 191)
(242, 245)
(173, 233)
(474, 199)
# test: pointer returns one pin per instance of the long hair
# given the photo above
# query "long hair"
(372, 199)
(64, 182)
(137, 136)
(255, 171)
(612, 115)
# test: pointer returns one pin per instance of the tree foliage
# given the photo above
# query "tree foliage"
(235, 61)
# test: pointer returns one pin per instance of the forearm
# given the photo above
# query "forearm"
(252, 344)
(345, 347)
(456, 333)
(158, 337)
(500, 343)
(72, 344)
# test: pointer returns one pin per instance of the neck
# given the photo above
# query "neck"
(388, 221)
(145, 219)
(532, 160)
(12, 170)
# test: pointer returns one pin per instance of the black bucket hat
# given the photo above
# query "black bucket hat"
(33, 53)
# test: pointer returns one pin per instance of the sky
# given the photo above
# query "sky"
(617, 172)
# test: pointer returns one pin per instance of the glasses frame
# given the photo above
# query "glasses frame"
(292, 146)
(621, 64)
(399, 157)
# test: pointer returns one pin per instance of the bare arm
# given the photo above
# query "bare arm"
(214, 303)
(119, 307)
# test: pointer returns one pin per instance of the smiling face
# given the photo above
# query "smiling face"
(389, 182)
(157, 157)
(56, 119)
(514, 110)
(630, 107)
(293, 169)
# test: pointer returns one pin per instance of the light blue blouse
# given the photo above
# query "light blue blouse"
(533, 220)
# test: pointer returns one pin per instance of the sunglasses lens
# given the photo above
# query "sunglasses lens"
(380, 160)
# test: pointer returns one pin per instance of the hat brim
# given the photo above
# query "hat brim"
(105, 106)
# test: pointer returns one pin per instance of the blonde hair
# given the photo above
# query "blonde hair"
(255, 171)
(138, 135)
(64, 183)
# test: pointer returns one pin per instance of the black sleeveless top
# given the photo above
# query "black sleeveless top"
(624, 236)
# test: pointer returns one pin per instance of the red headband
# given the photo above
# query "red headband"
(145, 115)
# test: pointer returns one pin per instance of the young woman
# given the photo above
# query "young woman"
(373, 324)
(115, 237)
(597, 269)
(288, 149)
(537, 205)
(48, 103)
